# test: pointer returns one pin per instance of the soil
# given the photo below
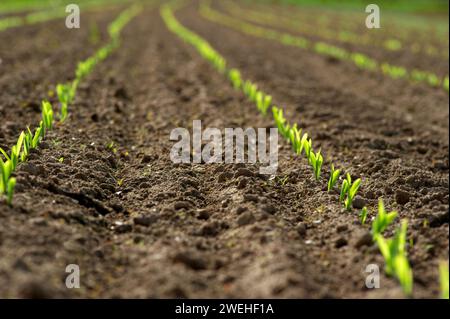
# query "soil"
(140, 226)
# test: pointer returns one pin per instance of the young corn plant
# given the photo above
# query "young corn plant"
(280, 121)
(263, 102)
(10, 190)
(395, 256)
(382, 220)
(363, 215)
(235, 77)
(352, 190)
(307, 146)
(250, 90)
(14, 157)
(443, 279)
(47, 115)
(316, 160)
(334, 175)
(294, 137)
(7, 183)
(346, 183)
(65, 97)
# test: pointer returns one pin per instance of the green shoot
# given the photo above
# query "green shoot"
(316, 160)
(65, 97)
(10, 190)
(394, 253)
(353, 189)
(443, 278)
(382, 220)
(345, 187)
(280, 121)
(302, 143)
(334, 175)
(294, 137)
(47, 115)
(5, 173)
(5, 154)
(27, 145)
(363, 215)
(235, 77)
(307, 146)
(16, 150)
(263, 102)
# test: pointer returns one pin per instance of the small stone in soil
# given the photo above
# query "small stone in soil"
(359, 202)
(301, 229)
(181, 205)
(364, 240)
(269, 208)
(245, 219)
(342, 228)
(402, 197)
(191, 260)
(125, 228)
(340, 242)
(145, 220)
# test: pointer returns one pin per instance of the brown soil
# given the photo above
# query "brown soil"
(210, 230)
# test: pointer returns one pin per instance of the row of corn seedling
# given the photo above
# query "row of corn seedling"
(51, 14)
(360, 60)
(392, 249)
(268, 18)
(29, 140)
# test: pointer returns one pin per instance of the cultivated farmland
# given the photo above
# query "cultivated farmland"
(87, 177)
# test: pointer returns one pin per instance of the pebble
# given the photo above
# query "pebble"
(192, 261)
(250, 198)
(242, 183)
(245, 219)
(181, 205)
(243, 172)
(340, 242)
(439, 219)
(224, 176)
(269, 208)
(125, 228)
(359, 202)
(402, 197)
(203, 214)
(301, 229)
(364, 240)
(145, 220)
(210, 229)
(342, 228)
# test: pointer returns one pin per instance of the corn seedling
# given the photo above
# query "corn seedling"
(65, 96)
(345, 187)
(235, 78)
(250, 90)
(316, 160)
(47, 115)
(38, 135)
(334, 175)
(353, 189)
(5, 173)
(394, 253)
(443, 279)
(10, 190)
(307, 146)
(382, 220)
(263, 102)
(363, 215)
(280, 121)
